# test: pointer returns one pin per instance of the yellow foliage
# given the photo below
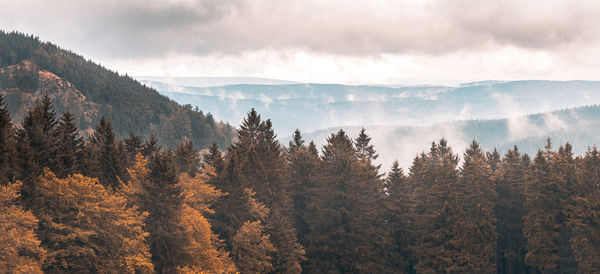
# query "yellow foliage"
(20, 250)
(88, 228)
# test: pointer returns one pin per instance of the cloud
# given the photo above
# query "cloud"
(139, 28)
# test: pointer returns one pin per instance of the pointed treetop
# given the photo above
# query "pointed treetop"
(297, 142)
(364, 149)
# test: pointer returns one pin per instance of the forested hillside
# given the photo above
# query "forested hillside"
(30, 68)
(104, 204)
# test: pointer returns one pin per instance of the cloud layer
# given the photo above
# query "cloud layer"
(342, 35)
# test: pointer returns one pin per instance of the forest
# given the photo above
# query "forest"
(103, 204)
(129, 105)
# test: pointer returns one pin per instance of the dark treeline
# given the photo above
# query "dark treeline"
(129, 105)
(130, 205)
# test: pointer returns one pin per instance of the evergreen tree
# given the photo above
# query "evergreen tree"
(150, 147)
(585, 214)
(397, 216)
(475, 222)
(133, 145)
(69, 147)
(509, 212)
(435, 246)
(188, 158)
(36, 144)
(20, 250)
(261, 165)
(109, 156)
(160, 194)
(545, 210)
(303, 164)
(214, 158)
(344, 225)
(8, 153)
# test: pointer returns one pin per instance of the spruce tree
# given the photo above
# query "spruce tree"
(585, 214)
(150, 147)
(69, 147)
(36, 144)
(109, 156)
(188, 158)
(397, 216)
(214, 158)
(509, 212)
(133, 145)
(8, 153)
(436, 210)
(303, 164)
(261, 165)
(475, 222)
(344, 225)
(545, 209)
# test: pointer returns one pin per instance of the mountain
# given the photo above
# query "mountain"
(30, 68)
(311, 107)
(211, 81)
(579, 126)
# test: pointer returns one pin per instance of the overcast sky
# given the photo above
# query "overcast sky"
(384, 42)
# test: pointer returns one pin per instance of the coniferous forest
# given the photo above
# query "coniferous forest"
(101, 204)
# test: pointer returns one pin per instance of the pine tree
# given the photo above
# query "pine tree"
(261, 165)
(436, 208)
(475, 223)
(160, 194)
(585, 214)
(109, 156)
(20, 250)
(214, 158)
(150, 147)
(344, 224)
(303, 164)
(69, 147)
(509, 212)
(398, 213)
(8, 153)
(188, 158)
(544, 210)
(85, 228)
(36, 144)
(133, 145)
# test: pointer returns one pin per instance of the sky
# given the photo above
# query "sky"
(334, 41)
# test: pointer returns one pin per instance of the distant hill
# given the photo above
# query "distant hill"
(311, 107)
(212, 81)
(29, 68)
(579, 126)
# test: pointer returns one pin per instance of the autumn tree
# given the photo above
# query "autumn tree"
(85, 228)
(20, 250)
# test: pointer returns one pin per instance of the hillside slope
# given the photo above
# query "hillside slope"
(29, 68)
